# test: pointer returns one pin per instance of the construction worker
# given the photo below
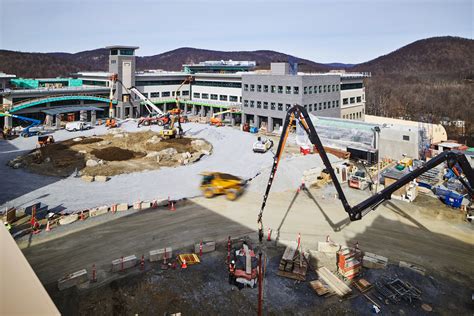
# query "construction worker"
(231, 272)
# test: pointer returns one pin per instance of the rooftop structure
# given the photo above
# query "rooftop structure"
(219, 66)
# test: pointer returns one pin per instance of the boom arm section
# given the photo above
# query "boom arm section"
(300, 114)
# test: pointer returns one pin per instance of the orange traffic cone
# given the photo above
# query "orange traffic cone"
(47, 227)
(172, 206)
(82, 215)
(184, 265)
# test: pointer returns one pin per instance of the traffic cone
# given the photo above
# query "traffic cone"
(154, 204)
(184, 265)
(47, 227)
(172, 207)
(142, 263)
(82, 215)
(269, 235)
(169, 202)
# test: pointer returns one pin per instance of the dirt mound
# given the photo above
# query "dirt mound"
(115, 154)
(91, 140)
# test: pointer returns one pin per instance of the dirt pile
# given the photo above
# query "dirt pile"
(115, 154)
(110, 155)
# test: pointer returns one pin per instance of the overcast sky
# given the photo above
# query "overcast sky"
(323, 31)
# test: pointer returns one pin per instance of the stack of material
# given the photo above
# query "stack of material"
(190, 258)
(430, 178)
(335, 284)
(321, 288)
(362, 285)
(395, 290)
(349, 263)
(373, 261)
(293, 264)
(245, 266)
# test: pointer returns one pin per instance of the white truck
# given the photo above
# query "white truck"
(77, 126)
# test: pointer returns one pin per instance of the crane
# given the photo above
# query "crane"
(217, 121)
(26, 131)
(455, 160)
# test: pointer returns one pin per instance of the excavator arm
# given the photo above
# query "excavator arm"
(299, 113)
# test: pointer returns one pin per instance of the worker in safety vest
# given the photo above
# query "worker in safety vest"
(231, 272)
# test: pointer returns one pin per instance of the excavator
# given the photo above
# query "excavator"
(456, 161)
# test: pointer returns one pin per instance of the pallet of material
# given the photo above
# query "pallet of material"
(320, 288)
(362, 285)
(292, 264)
(337, 285)
(190, 258)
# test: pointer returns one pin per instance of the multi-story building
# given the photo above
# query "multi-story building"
(261, 96)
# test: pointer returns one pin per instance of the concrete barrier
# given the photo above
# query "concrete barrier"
(159, 254)
(207, 246)
(96, 211)
(373, 261)
(145, 205)
(73, 279)
(122, 207)
(328, 247)
(411, 266)
(128, 262)
(68, 219)
(137, 205)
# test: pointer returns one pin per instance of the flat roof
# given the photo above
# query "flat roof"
(4, 75)
(121, 46)
(95, 73)
(49, 90)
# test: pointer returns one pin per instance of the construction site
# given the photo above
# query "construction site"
(177, 211)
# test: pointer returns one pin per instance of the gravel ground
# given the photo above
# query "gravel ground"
(232, 153)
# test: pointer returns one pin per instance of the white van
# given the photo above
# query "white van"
(77, 126)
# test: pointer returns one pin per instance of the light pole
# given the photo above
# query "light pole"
(376, 129)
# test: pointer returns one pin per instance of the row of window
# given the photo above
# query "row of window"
(279, 106)
(352, 100)
(349, 86)
(224, 84)
(291, 90)
(165, 94)
(158, 82)
(222, 97)
(353, 116)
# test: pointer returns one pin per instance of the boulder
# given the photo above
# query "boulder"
(77, 139)
(154, 140)
(101, 178)
(47, 159)
(83, 152)
(118, 136)
(87, 178)
(205, 152)
(91, 163)
(17, 165)
(198, 143)
(104, 143)
(151, 154)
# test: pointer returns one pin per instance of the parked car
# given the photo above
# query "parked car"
(262, 145)
(77, 126)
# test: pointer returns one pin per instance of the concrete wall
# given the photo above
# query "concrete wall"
(392, 144)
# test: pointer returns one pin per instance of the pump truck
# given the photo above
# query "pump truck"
(456, 161)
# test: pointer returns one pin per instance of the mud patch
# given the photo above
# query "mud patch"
(115, 154)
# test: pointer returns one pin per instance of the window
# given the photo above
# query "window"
(172, 93)
(288, 90)
(315, 89)
(265, 88)
(252, 104)
(337, 87)
(272, 106)
(288, 106)
(186, 92)
(324, 105)
(240, 99)
(320, 89)
(155, 94)
(310, 89)
(233, 98)
(333, 104)
(259, 88)
(196, 95)
(273, 89)
(246, 103)
(280, 89)
(311, 108)
(305, 106)
(259, 104)
(337, 103)
(320, 106)
(205, 96)
(305, 90)
(252, 88)
(359, 99)
(246, 87)
(350, 86)
(345, 101)
(296, 90)
(280, 106)
(165, 94)
(333, 88)
(223, 97)
(324, 88)
(178, 93)
(265, 105)
(352, 100)
(213, 96)
(406, 137)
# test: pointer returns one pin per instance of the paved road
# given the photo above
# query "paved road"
(135, 234)
(398, 230)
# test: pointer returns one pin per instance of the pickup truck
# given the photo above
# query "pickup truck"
(77, 126)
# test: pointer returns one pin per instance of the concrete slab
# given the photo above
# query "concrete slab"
(207, 246)
(122, 207)
(373, 261)
(411, 266)
(73, 279)
(125, 263)
(68, 219)
(98, 211)
(159, 254)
